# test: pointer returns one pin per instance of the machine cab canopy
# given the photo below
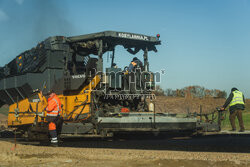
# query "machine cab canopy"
(99, 43)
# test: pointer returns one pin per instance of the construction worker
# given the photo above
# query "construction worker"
(134, 63)
(53, 114)
(236, 102)
(133, 80)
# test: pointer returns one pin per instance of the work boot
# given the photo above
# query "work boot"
(54, 140)
(241, 130)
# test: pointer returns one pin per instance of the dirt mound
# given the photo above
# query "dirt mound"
(3, 117)
(247, 104)
(183, 105)
(3, 120)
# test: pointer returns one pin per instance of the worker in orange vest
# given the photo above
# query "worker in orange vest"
(53, 114)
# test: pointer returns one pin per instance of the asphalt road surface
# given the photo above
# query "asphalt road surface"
(214, 150)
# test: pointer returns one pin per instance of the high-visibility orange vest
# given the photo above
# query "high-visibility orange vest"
(54, 106)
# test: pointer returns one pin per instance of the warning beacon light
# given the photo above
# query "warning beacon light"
(158, 36)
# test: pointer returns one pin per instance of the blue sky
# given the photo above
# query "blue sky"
(204, 42)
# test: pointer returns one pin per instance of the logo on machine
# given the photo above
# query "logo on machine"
(133, 36)
(78, 76)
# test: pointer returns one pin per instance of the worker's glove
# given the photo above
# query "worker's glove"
(36, 90)
(222, 109)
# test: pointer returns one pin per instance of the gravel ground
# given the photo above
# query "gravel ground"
(93, 152)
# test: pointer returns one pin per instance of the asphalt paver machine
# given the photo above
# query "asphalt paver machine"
(95, 99)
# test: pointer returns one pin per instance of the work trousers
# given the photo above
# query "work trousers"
(238, 113)
(52, 125)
